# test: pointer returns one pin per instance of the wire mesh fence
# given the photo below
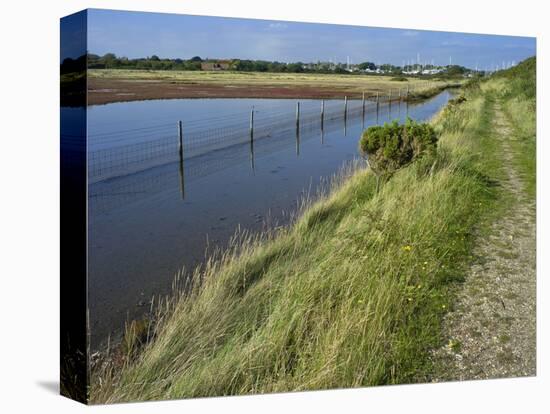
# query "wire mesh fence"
(108, 194)
(122, 152)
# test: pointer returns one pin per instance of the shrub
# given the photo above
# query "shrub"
(457, 101)
(390, 147)
(399, 79)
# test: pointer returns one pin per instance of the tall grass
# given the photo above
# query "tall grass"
(351, 295)
(431, 90)
(518, 92)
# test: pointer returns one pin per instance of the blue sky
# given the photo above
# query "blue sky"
(137, 34)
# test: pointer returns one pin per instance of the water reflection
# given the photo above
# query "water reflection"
(117, 192)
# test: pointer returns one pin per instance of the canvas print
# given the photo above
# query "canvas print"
(253, 206)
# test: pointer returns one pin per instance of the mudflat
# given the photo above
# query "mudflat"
(107, 86)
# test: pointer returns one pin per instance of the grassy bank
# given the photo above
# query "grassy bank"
(351, 295)
(431, 90)
(251, 79)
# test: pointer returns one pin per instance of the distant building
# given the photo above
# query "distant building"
(431, 71)
(213, 66)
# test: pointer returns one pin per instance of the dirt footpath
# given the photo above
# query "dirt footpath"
(491, 332)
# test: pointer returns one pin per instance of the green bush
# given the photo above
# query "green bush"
(457, 101)
(390, 147)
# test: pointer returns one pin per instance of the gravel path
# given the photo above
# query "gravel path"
(491, 332)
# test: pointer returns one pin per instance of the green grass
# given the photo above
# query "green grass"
(521, 112)
(350, 295)
(432, 89)
(517, 92)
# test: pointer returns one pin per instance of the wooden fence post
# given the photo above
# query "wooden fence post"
(252, 125)
(181, 171)
(180, 136)
(363, 106)
(377, 106)
(298, 128)
(322, 114)
(297, 117)
(345, 107)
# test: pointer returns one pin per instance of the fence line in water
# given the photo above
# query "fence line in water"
(110, 194)
(156, 145)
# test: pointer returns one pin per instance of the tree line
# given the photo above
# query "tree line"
(111, 61)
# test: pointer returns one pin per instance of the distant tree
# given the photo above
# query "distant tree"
(192, 65)
(391, 68)
(244, 65)
(455, 70)
(143, 64)
(295, 67)
(274, 67)
(111, 61)
(367, 65)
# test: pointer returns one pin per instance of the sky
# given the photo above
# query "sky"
(139, 34)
